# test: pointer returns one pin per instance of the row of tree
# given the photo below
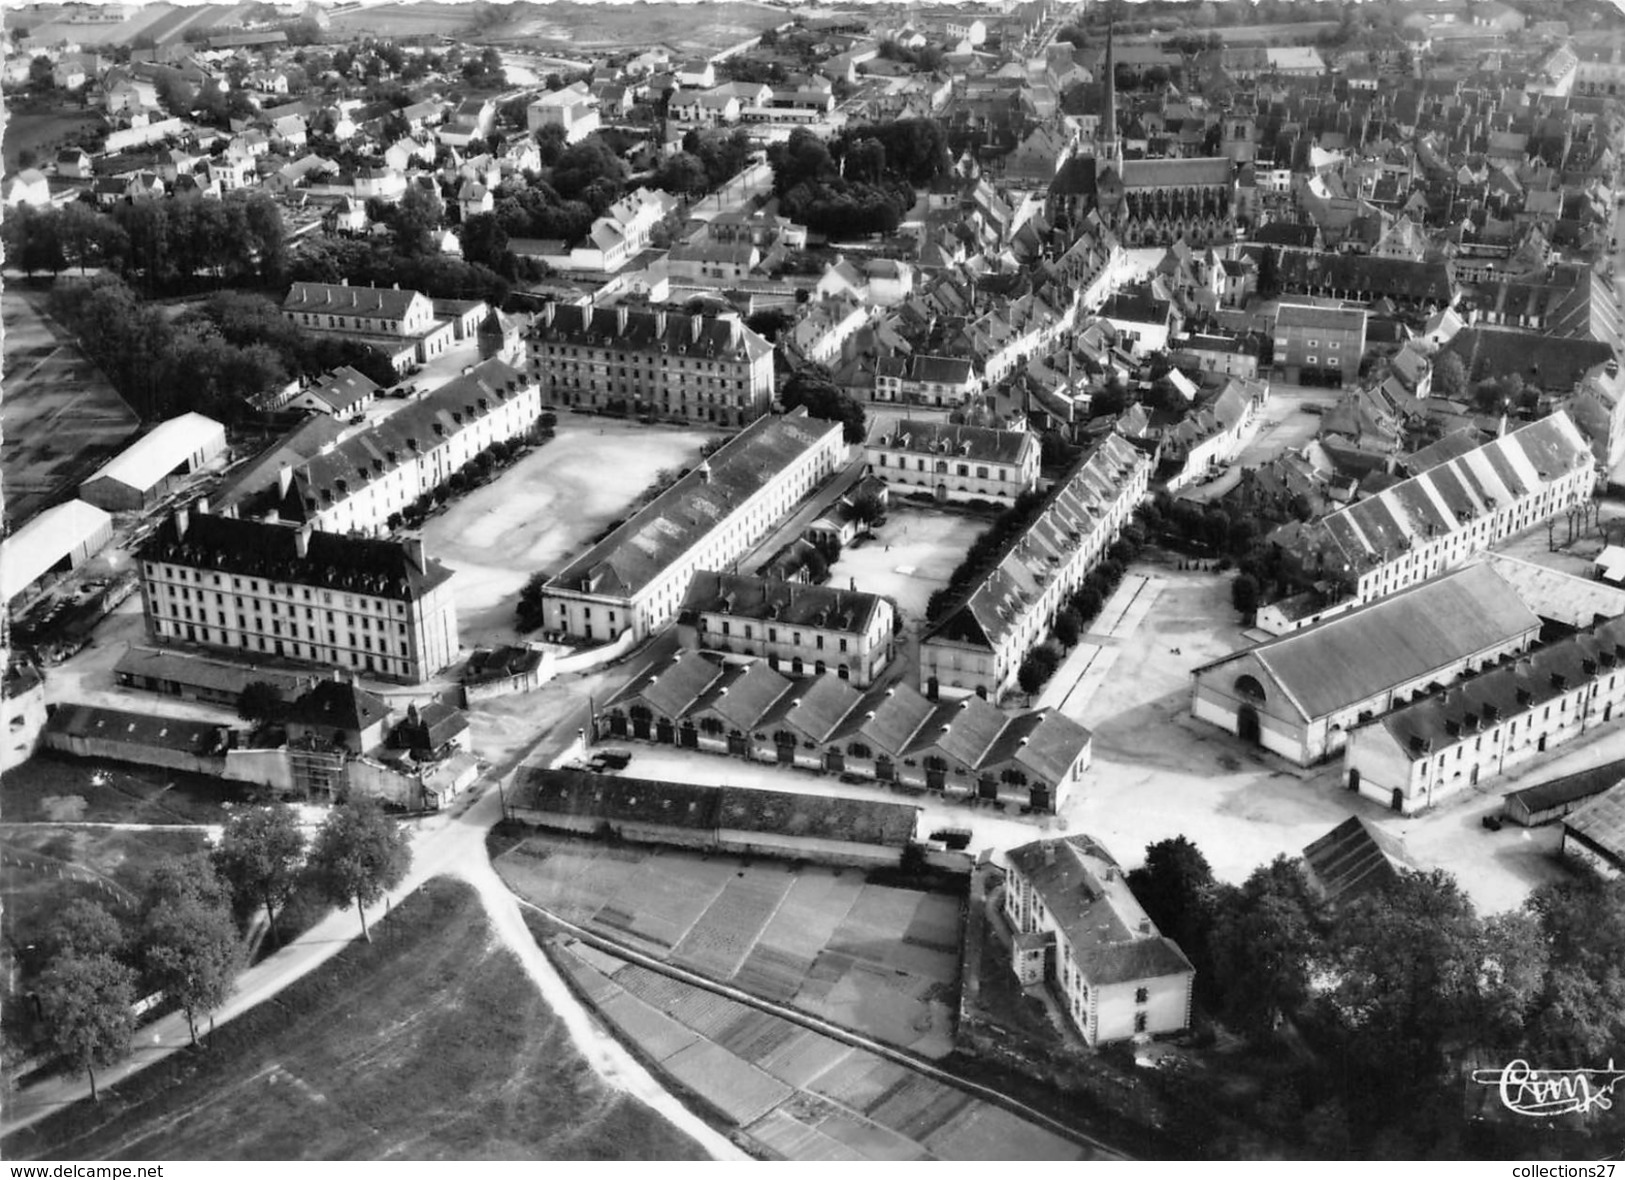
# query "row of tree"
(1081, 609)
(210, 359)
(157, 244)
(1391, 990)
(183, 939)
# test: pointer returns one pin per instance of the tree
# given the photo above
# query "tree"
(359, 854)
(683, 174)
(1269, 273)
(1581, 1009)
(868, 508)
(530, 610)
(1450, 376)
(1175, 887)
(183, 878)
(823, 399)
(769, 322)
(86, 929)
(1068, 628)
(259, 702)
(260, 853)
(1037, 668)
(191, 952)
(1264, 938)
(86, 1002)
(1244, 594)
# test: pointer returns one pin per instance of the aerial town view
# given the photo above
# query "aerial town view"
(760, 580)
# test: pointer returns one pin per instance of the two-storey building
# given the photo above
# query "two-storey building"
(799, 630)
(401, 324)
(954, 462)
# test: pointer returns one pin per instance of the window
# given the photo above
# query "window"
(1142, 995)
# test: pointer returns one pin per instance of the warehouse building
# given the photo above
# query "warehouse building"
(56, 541)
(143, 472)
(1300, 694)
(1594, 836)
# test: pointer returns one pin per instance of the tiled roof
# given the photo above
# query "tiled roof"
(1602, 822)
(142, 729)
(1110, 937)
(201, 672)
(639, 550)
(1398, 639)
(1582, 784)
(706, 336)
(335, 704)
(1353, 859)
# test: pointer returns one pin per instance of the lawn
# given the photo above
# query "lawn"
(44, 132)
(428, 1043)
(61, 417)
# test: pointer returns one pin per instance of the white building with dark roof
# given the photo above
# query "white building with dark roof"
(402, 324)
(341, 393)
(978, 646)
(798, 630)
(371, 606)
(1440, 518)
(926, 380)
(700, 368)
(1300, 694)
(954, 462)
(139, 475)
(636, 578)
(1078, 928)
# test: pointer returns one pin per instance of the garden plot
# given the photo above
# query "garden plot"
(986, 1132)
(718, 943)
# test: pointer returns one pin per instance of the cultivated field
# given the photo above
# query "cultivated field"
(910, 556)
(797, 1094)
(686, 28)
(61, 417)
(542, 511)
(428, 1043)
(45, 132)
(881, 960)
(403, 20)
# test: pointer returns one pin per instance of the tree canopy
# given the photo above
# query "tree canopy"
(359, 854)
(260, 854)
(825, 400)
(86, 1001)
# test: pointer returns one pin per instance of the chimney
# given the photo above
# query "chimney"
(284, 479)
(414, 553)
(586, 317)
(621, 316)
(301, 540)
(1049, 852)
(660, 326)
(183, 518)
(695, 324)
(547, 315)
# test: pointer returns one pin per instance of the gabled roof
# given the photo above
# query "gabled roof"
(142, 729)
(336, 704)
(978, 444)
(1109, 935)
(380, 303)
(1396, 640)
(751, 597)
(145, 462)
(1353, 859)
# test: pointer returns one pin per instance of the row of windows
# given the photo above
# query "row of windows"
(941, 466)
(351, 602)
(772, 635)
(359, 659)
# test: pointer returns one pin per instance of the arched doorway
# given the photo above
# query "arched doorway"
(1248, 728)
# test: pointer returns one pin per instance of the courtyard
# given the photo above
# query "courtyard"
(909, 557)
(545, 509)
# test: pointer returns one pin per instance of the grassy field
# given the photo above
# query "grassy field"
(569, 25)
(44, 132)
(403, 20)
(428, 1043)
(870, 957)
(61, 417)
(794, 1093)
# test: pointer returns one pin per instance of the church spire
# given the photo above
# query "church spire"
(1108, 150)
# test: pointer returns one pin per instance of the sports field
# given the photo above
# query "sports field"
(61, 417)
(882, 960)
(796, 1094)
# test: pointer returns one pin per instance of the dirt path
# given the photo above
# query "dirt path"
(450, 844)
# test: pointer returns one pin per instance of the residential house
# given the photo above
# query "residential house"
(925, 380)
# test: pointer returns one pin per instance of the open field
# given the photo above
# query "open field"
(569, 25)
(877, 959)
(910, 556)
(403, 20)
(61, 417)
(428, 1043)
(797, 1094)
(45, 132)
(544, 509)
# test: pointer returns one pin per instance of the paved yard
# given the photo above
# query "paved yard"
(544, 510)
(910, 556)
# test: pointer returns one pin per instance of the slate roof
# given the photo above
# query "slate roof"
(1556, 596)
(337, 704)
(1555, 792)
(141, 729)
(649, 331)
(1194, 171)
(332, 561)
(344, 388)
(1450, 495)
(978, 444)
(641, 549)
(1012, 588)
(744, 697)
(618, 799)
(332, 476)
(1602, 822)
(1353, 859)
(1398, 278)
(750, 597)
(202, 672)
(1083, 889)
(1400, 638)
(1553, 363)
(1510, 689)
(1331, 319)
(379, 303)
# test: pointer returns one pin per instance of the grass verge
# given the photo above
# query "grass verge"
(428, 1043)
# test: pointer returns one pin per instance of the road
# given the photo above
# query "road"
(449, 844)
